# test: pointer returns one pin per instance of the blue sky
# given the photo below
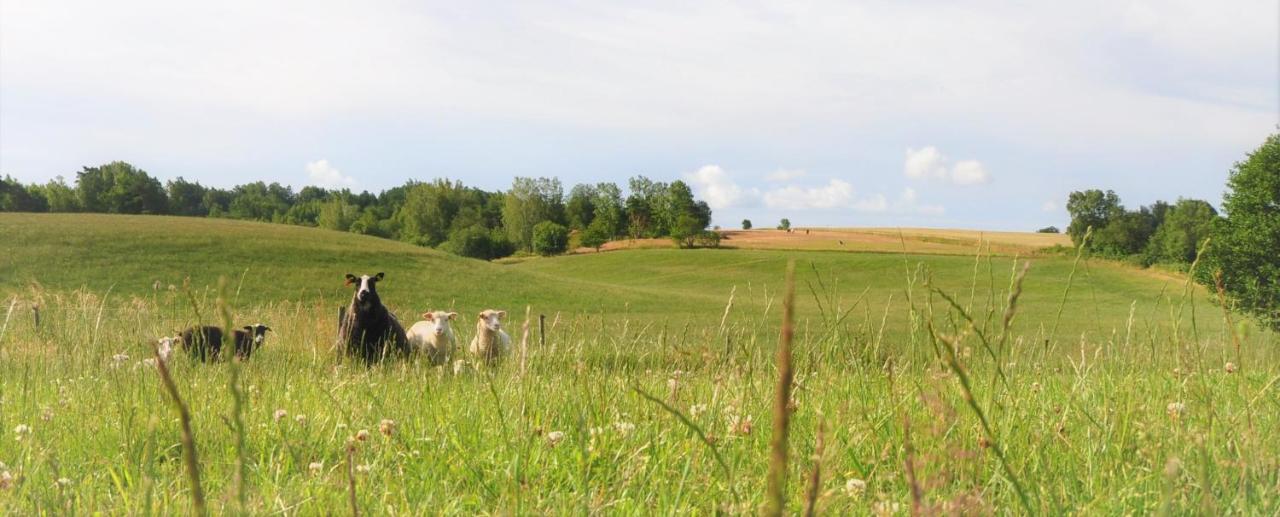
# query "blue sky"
(940, 114)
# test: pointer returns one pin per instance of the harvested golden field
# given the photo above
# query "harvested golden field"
(915, 240)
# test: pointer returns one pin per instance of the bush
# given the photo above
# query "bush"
(746, 224)
(478, 242)
(1049, 229)
(596, 234)
(550, 238)
(709, 239)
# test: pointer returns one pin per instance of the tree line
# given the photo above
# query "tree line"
(533, 216)
(1236, 253)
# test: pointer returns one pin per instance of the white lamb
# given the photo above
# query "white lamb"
(434, 337)
(490, 342)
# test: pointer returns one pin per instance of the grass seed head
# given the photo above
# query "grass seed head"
(387, 427)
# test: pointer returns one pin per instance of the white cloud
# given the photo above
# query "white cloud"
(835, 194)
(325, 175)
(874, 204)
(713, 185)
(930, 164)
(909, 203)
(784, 175)
(969, 172)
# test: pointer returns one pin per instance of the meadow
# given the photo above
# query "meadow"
(923, 381)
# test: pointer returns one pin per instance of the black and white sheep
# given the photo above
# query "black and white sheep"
(204, 343)
(366, 327)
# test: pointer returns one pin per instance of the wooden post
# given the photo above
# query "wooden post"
(542, 331)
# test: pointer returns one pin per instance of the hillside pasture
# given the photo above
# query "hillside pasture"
(1103, 389)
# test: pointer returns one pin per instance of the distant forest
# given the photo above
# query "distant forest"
(533, 216)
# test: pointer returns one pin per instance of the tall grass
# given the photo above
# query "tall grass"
(928, 403)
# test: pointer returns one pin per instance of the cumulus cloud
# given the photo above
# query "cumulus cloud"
(714, 186)
(909, 202)
(783, 175)
(930, 164)
(325, 175)
(835, 194)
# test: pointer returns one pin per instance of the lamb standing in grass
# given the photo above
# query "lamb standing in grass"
(434, 336)
(490, 342)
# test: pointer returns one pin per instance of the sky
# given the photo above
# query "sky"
(979, 115)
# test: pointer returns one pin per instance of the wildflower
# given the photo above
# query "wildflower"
(697, 409)
(362, 435)
(119, 359)
(279, 415)
(387, 427)
(854, 487)
(1230, 367)
(300, 419)
(1175, 409)
(1035, 387)
(554, 437)
(316, 468)
(46, 414)
(741, 424)
(63, 482)
(22, 430)
(363, 469)
(624, 427)
(6, 480)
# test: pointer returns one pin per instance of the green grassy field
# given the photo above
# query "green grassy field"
(1110, 396)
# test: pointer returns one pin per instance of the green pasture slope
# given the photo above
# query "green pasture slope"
(1112, 396)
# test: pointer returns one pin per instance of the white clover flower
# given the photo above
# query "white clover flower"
(6, 480)
(741, 424)
(119, 359)
(279, 415)
(300, 419)
(362, 435)
(316, 467)
(854, 487)
(1176, 409)
(363, 469)
(697, 409)
(1230, 367)
(387, 427)
(555, 437)
(22, 430)
(624, 427)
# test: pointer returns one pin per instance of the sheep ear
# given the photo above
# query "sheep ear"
(428, 316)
(502, 314)
(249, 328)
(453, 315)
(351, 279)
(379, 275)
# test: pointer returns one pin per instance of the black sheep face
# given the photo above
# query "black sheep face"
(259, 333)
(366, 288)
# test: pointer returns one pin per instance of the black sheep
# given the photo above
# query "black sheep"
(205, 342)
(366, 327)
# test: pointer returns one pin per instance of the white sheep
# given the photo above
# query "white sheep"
(490, 342)
(434, 337)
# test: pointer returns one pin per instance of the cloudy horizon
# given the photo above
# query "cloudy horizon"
(829, 114)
